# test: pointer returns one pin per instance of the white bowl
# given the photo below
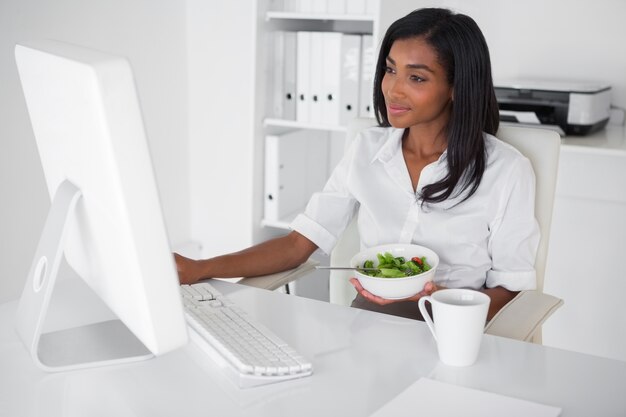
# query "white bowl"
(395, 288)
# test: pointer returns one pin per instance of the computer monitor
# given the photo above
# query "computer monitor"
(105, 215)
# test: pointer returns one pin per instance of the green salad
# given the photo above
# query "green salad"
(390, 266)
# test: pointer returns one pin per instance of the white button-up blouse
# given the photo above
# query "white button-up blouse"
(488, 240)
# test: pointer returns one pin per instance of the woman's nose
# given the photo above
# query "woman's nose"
(394, 89)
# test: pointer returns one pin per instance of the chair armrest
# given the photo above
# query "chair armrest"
(277, 280)
(523, 315)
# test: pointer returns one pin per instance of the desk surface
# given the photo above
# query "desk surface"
(361, 359)
(608, 141)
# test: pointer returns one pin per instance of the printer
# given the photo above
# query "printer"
(568, 108)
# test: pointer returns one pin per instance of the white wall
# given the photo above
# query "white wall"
(585, 264)
(151, 33)
(555, 39)
(226, 152)
(221, 113)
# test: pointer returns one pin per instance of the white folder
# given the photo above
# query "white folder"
(305, 6)
(355, 6)
(371, 7)
(289, 76)
(320, 6)
(336, 7)
(287, 5)
(295, 167)
(271, 178)
(316, 74)
(350, 78)
(276, 5)
(303, 64)
(278, 77)
(368, 64)
(331, 77)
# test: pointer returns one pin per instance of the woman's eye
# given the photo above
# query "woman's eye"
(417, 78)
(388, 69)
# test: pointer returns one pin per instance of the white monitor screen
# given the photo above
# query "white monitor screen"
(89, 131)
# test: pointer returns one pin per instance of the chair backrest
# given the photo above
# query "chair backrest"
(540, 146)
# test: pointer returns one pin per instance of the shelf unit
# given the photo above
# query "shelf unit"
(328, 134)
(269, 20)
(273, 19)
(300, 16)
(293, 124)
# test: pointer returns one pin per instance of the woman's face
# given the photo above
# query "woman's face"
(415, 85)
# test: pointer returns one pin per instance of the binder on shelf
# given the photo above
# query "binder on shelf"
(289, 76)
(305, 6)
(371, 7)
(303, 67)
(330, 69)
(367, 76)
(277, 5)
(319, 6)
(277, 60)
(340, 78)
(288, 6)
(316, 76)
(355, 6)
(296, 166)
(350, 78)
(336, 7)
(282, 103)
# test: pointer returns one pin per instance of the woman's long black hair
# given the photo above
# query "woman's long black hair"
(462, 51)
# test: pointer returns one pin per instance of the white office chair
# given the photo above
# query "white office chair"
(522, 317)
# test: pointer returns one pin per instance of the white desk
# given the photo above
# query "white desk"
(362, 360)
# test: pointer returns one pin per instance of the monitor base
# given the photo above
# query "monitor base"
(99, 344)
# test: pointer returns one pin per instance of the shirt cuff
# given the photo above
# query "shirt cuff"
(314, 232)
(512, 281)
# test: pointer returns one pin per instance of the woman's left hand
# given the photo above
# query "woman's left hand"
(429, 288)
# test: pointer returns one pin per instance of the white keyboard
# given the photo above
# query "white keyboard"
(249, 352)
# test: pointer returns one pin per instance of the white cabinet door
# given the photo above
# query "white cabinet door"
(587, 252)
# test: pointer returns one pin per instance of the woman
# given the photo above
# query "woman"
(432, 173)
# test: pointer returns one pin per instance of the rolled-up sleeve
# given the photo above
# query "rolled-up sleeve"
(515, 233)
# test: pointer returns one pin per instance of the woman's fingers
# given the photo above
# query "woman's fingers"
(429, 288)
(368, 295)
(183, 267)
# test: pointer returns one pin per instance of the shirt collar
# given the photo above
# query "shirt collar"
(393, 145)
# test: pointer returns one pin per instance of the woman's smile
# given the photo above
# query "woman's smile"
(397, 109)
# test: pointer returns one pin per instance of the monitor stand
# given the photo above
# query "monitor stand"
(105, 343)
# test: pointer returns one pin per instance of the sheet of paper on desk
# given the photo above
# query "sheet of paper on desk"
(432, 398)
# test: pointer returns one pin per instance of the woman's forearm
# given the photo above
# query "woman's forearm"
(272, 256)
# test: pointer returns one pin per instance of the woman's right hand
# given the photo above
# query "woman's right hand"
(189, 270)
(279, 254)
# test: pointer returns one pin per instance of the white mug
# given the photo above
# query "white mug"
(459, 317)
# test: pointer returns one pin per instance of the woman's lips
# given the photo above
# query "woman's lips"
(396, 109)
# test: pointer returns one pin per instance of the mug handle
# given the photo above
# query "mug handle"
(421, 303)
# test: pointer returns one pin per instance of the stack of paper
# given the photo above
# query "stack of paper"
(432, 398)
